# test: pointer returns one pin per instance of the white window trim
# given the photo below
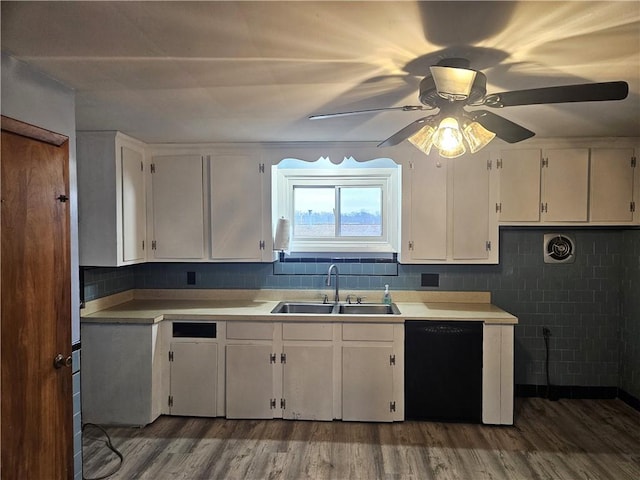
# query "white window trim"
(386, 178)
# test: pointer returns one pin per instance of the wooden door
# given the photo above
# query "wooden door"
(36, 423)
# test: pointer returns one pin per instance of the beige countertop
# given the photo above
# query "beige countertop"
(141, 307)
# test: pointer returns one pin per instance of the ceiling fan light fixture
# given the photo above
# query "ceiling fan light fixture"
(477, 136)
(454, 152)
(453, 83)
(448, 136)
(423, 139)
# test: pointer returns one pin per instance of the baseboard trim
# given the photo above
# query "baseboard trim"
(554, 392)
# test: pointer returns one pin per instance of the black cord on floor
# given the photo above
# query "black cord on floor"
(110, 447)
(546, 333)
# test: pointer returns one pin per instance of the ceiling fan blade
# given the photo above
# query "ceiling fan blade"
(405, 133)
(505, 129)
(406, 108)
(587, 92)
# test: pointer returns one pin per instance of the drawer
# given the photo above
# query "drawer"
(373, 332)
(307, 331)
(250, 330)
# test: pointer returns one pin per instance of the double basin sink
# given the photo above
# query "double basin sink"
(337, 308)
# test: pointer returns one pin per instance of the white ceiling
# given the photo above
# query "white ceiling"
(254, 71)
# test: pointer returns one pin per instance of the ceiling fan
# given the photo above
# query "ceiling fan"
(453, 85)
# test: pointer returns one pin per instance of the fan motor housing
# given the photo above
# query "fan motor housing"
(559, 248)
(429, 94)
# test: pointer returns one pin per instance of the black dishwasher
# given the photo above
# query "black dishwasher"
(443, 371)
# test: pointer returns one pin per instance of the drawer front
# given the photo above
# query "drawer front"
(250, 330)
(307, 331)
(372, 332)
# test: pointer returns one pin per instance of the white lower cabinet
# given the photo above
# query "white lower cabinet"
(372, 372)
(249, 381)
(123, 376)
(367, 384)
(497, 374)
(307, 382)
(193, 379)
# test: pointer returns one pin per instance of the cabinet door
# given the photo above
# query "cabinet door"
(307, 384)
(194, 373)
(611, 189)
(428, 211)
(497, 374)
(133, 205)
(471, 177)
(236, 208)
(249, 384)
(565, 176)
(367, 383)
(520, 185)
(178, 218)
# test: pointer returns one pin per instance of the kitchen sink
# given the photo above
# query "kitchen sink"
(302, 307)
(368, 309)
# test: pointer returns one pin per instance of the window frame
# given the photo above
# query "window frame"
(387, 179)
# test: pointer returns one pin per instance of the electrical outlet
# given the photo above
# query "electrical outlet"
(191, 278)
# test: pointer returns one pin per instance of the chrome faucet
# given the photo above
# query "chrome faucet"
(334, 267)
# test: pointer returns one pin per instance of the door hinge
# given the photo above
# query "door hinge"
(272, 359)
(498, 163)
(170, 402)
(632, 207)
(410, 244)
(499, 207)
(392, 406)
(411, 166)
(62, 198)
(171, 356)
(489, 164)
(543, 208)
(272, 403)
(143, 244)
(545, 162)
(261, 168)
(488, 245)
(153, 245)
(141, 166)
(283, 358)
(153, 168)
(261, 244)
(392, 359)
(633, 162)
(283, 403)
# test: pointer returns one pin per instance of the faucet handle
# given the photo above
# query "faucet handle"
(359, 299)
(348, 299)
(325, 298)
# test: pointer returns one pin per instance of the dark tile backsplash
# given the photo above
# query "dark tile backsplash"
(591, 306)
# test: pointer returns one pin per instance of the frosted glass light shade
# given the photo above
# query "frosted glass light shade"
(447, 136)
(453, 83)
(423, 139)
(453, 152)
(477, 136)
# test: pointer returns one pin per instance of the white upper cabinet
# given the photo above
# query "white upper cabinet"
(240, 207)
(565, 185)
(177, 194)
(449, 210)
(612, 183)
(424, 211)
(111, 199)
(595, 185)
(475, 226)
(519, 185)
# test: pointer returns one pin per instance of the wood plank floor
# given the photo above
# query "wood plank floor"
(565, 439)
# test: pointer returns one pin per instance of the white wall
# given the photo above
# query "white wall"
(32, 97)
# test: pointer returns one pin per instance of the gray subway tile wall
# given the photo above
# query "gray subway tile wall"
(582, 303)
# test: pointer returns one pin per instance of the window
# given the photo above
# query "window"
(339, 209)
